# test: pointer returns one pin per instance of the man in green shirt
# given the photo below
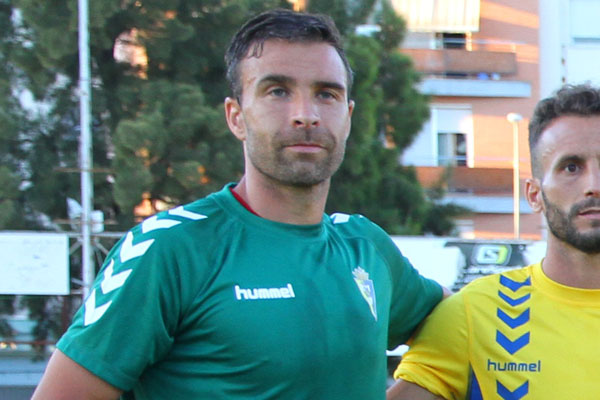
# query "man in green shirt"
(253, 292)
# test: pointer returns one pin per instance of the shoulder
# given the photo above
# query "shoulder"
(519, 276)
(185, 222)
(172, 239)
(359, 228)
(491, 288)
(357, 225)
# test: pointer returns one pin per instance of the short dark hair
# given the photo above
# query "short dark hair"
(578, 100)
(280, 24)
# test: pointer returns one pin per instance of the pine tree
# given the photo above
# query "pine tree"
(157, 120)
(12, 121)
(388, 115)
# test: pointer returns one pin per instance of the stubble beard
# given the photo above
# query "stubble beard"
(297, 170)
(562, 227)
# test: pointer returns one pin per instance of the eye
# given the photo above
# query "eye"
(572, 167)
(330, 96)
(325, 95)
(278, 92)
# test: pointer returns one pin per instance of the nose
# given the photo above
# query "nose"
(593, 182)
(305, 113)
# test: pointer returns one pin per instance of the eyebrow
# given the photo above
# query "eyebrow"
(569, 158)
(331, 85)
(284, 79)
(275, 78)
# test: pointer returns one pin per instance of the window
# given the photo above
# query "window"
(446, 139)
(452, 149)
(453, 40)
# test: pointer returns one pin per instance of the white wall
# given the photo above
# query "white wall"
(569, 43)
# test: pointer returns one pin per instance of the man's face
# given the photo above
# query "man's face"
(569, 153)
(294, 116)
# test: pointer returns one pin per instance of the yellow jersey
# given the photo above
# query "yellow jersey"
(515, 335)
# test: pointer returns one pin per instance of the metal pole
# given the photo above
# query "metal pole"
(85, 149)
(514, 119)
(516, 192)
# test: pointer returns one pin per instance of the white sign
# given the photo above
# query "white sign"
(34, 263)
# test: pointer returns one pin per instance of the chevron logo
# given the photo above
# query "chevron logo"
(93, 313)
(514, 322)
(340, 218)
(154, 223)
(514, 285)
(182, 212)
(109, 283)
(129, 251)
(512, 346)
(516, 394)
(514, 302)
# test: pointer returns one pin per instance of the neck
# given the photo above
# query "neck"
(571, 267)
(287, 204)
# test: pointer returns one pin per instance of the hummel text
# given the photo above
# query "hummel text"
(286, 292)
(513, 366)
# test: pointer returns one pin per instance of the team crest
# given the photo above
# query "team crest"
(365, 285)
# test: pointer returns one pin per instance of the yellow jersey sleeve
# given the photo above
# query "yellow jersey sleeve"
(438, 355)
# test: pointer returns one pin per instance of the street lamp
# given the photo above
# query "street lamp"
(514, 119)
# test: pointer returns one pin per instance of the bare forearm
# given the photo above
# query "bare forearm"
(64, 379)
(403, 390)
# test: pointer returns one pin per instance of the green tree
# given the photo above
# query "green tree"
(12, 121)
(388, 115)
(158, 127)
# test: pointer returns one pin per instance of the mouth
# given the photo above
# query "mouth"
(592, 212)
(306, 147)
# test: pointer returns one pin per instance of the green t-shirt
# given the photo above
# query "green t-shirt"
(209, 301)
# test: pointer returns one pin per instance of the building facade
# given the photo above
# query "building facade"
(569, 43)
(480, 62)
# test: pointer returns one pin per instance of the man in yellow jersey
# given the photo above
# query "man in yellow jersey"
(530, 333)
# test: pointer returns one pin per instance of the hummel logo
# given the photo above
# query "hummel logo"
(286, 292)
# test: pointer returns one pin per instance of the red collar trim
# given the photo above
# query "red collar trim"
(242, 201)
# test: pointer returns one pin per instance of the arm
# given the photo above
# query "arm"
(64, 379)
(446, 292)
(437, 362)
(403, 390)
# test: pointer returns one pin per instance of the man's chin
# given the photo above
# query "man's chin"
(588, 243)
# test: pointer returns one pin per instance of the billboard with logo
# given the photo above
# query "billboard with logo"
(455, 262)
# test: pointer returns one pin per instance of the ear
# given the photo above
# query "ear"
(350, 110)
(235, 118)
(533, 192)
(350, 107)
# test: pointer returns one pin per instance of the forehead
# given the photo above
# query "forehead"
(570, 136)
(301, 61)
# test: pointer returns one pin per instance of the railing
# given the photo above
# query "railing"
(463, 57)
(459, 61)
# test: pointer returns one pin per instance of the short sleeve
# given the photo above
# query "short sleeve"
(128, 320)
(438, 355)
(413, 298)
(412, 295)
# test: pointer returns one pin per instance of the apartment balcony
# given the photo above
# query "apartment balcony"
(469, 69)
(482, 190)
(461, 61)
